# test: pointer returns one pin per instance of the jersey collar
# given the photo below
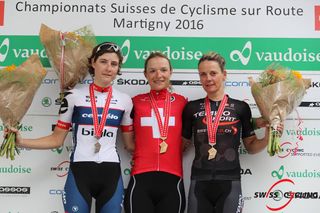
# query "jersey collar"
(159, 94)
(101, 89)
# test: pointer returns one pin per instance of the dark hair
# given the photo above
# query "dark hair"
(213, 56)
(155, 55)
(100, 49)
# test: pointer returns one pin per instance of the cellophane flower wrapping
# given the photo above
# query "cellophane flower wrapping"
(278, 91)
(18, 86)
(68, 51)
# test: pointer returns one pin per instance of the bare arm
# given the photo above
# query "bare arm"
(259, 123)
(255, 145)
(128, 140)
(55, 140)
(185, 143)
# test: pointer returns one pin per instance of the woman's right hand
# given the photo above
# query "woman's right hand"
(18, 139)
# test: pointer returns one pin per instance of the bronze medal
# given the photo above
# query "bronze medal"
(213, 127)
(212, 153)
(97, 147)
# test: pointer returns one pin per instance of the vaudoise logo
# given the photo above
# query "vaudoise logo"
(4, 49)
(125, 49)
(244, 55)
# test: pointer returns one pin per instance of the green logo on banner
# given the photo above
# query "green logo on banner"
(184, 52)
(58, 150)
(46, 101)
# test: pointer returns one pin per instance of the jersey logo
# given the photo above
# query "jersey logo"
(88, 131)
(172, 98)
(152, 121)
(83, 116)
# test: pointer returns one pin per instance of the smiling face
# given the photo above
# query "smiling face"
(105, 69)
(212, 78)
(158, 73)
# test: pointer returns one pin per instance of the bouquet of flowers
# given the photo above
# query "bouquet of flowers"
(18, 86)
(68, 53)
(277, 93)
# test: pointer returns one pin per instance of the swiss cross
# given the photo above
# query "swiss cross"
(152, 121)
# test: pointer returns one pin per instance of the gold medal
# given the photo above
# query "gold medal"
(97, 147)
(163, 127)
(163, 138)
(212, 153)
(163, 147)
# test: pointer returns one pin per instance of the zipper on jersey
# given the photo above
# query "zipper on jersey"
(158, 169)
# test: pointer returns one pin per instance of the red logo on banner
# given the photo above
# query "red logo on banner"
(1, 12)
(317, 17)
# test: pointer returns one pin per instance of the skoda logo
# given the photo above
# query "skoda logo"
(46, 101)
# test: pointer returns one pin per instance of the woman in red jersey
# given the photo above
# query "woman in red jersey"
(156, 183)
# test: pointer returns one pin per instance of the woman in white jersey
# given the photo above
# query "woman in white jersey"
(94, 113)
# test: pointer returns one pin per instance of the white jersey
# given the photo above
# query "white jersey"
(75, 112)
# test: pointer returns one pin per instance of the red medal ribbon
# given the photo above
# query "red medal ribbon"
(167, 107)
(213, 127)
(98, 128)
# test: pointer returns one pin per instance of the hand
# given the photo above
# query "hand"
(8, 147)
(185, 144)
(280, 128)
(260, 122)
(18, 139)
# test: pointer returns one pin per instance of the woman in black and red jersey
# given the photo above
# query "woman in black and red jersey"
(217, 124)
(156, 183)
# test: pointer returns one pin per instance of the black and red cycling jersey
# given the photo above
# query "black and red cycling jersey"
(235, 123)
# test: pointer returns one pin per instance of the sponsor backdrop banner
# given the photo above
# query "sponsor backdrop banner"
(250, 36)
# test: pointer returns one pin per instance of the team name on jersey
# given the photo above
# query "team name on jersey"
(226, 115)
(105, 133)
(83, 116)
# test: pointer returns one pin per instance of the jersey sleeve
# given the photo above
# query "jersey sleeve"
(126, 122)
(187, 117)
(66, 111)
(246, 120)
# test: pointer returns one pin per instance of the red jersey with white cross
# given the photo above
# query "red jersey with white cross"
(147, 155)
